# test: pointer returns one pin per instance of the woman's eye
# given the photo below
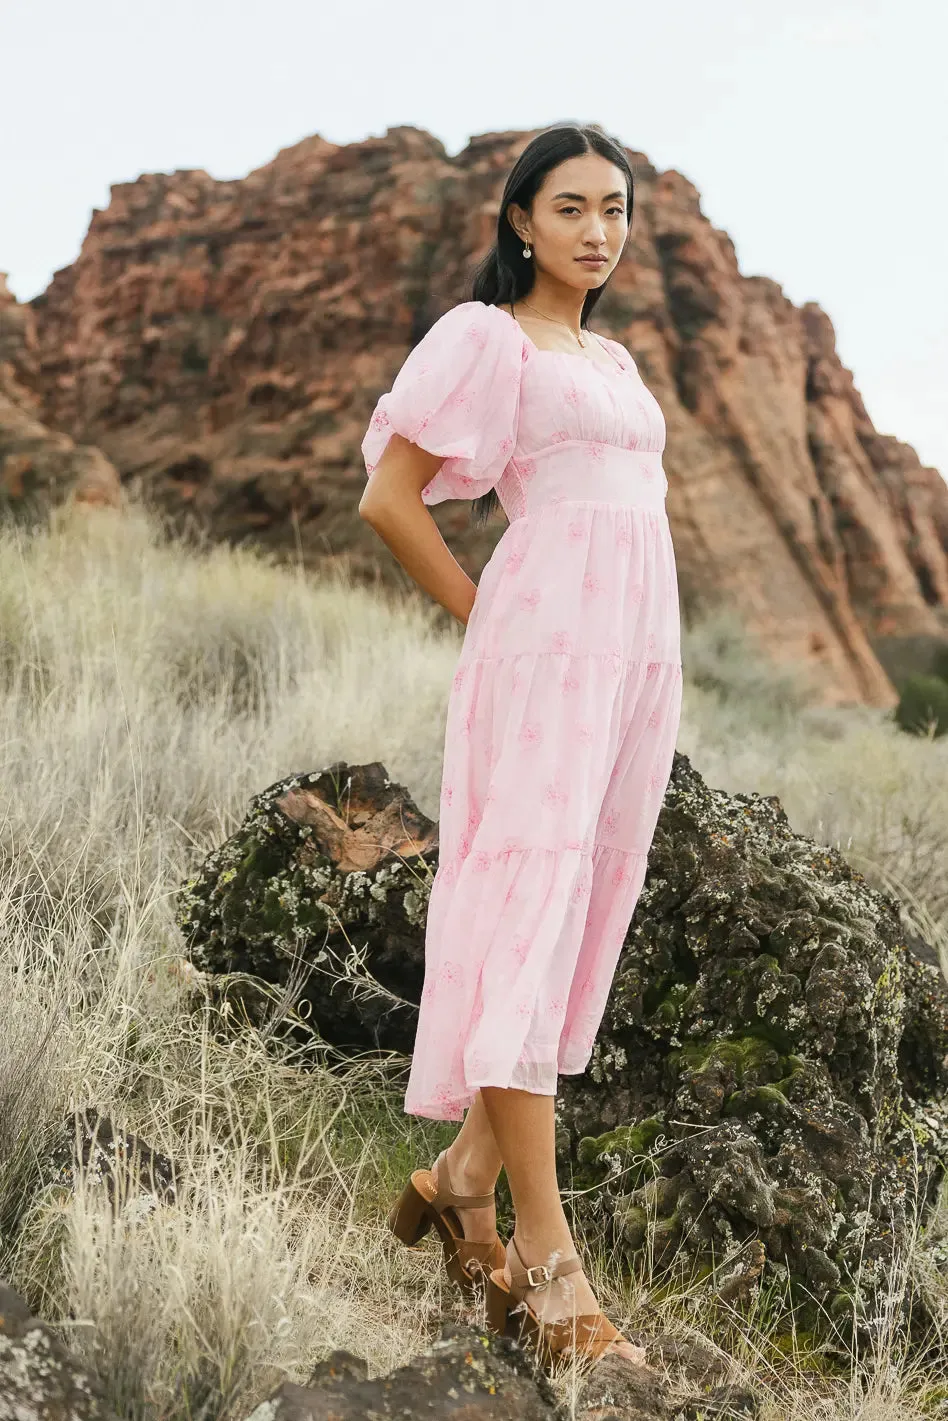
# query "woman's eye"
(619, 210)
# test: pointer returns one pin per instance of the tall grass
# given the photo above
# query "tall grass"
(147, 690)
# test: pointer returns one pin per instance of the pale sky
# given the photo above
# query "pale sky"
(814, 130)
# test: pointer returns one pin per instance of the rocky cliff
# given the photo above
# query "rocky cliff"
(224, 343)
(39, 468)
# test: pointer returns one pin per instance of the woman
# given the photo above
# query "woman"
(562, 717)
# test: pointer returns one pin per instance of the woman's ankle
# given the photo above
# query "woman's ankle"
(547, 1244)
(468, 1173)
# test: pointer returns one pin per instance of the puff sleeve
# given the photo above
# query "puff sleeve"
(457, 394)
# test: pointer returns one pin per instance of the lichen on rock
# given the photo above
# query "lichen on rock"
(766, 1092)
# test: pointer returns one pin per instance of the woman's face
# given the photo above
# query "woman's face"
(578, 211)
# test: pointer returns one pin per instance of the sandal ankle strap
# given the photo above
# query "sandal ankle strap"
(540, 1275)
(446, 1198)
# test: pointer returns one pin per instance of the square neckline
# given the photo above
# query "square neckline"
(568, 353)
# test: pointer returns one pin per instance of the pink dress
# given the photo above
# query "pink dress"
(564, 709)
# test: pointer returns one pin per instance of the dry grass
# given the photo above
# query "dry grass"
(147, 690)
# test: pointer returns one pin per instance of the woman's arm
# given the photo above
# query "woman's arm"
(392, 505)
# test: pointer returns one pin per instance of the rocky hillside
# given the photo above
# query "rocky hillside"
(37, 467)
(224, 342)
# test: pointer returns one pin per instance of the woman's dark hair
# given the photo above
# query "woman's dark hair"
(505, 275)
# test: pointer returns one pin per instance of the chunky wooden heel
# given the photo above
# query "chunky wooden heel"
(424, 1205)
(497, 1301)
(411, 1218)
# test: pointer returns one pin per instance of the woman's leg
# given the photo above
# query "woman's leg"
(474, 1163)
(523, 1127)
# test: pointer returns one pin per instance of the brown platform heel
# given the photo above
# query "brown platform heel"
(587, 1336)
(423, 1205)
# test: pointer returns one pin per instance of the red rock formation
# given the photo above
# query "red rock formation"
(224, 343)
(39, 469)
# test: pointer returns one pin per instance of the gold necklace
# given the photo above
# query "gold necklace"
(555, 322)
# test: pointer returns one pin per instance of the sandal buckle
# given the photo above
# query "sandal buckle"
(546, 1276)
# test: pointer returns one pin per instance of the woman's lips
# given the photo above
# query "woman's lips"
(593, 261)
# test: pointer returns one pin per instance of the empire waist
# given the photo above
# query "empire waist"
(590, 469)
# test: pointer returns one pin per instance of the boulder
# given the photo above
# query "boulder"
(39, 1379)
(122, 1163)
(467, 1375)
(323, 889)
(471, 1375)
(766, 1093)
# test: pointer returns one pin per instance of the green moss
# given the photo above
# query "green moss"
(624, 1151)
(766, 1100)
(627, 1143)
(743, 1054)
(632, 1224)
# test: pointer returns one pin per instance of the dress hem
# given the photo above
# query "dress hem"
(428, 1112)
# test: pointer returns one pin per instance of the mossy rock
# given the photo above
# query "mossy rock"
(771, 1065)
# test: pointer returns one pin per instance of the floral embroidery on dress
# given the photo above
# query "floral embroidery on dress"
(520, 947)
(580, 888)
(556, 796)
(445, 1099)
(530, 733)
(549, 780)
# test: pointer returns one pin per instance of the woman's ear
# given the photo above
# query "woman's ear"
(517, 219)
